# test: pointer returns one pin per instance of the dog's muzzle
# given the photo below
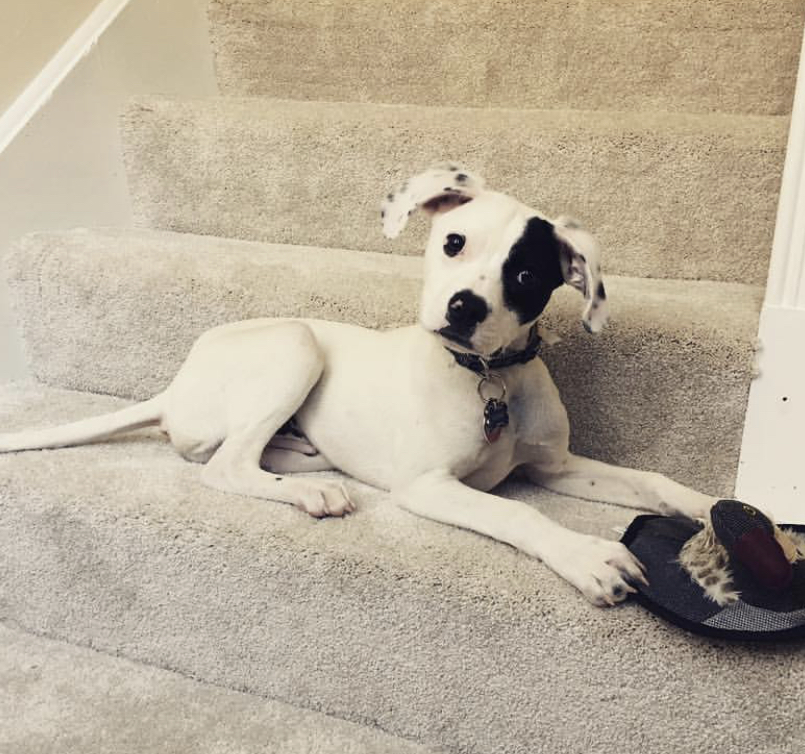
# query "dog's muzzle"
(465, 311)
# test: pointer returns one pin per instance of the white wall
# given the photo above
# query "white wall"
(31, 31)
(65, 169)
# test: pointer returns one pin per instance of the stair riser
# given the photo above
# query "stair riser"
(668, 196)
(729, 56)
(666, 382)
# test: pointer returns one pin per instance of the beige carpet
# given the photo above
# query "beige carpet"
(426, 631)
(668, 194)
(664, 385)
(661, 125)
(58, 698)
(719, 55)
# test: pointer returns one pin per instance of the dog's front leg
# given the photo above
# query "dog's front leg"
(600, 569)
(602, 482)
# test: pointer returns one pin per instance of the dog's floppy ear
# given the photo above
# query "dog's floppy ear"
(438, 189)
(580, 259)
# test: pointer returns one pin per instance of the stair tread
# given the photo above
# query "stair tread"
(729, 309)
(381, 617)
(98, 478)
(730, 56)
(314, 172)
(720, 303)
(116, 311)
(94, 702)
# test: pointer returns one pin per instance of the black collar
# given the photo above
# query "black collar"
(500, 359)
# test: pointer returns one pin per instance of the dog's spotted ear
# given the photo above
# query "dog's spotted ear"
(438, 189)
(580, 259)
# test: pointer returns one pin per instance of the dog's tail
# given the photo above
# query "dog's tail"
(139, 415)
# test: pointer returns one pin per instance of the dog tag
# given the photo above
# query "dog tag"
(496, 417)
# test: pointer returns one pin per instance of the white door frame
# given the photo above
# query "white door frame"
(771, 472)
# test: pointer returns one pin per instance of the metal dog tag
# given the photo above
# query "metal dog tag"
(496, 417)
(496, 411)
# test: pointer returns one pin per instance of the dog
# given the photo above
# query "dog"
(438, 413)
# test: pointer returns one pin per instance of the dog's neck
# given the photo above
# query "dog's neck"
(522, 350)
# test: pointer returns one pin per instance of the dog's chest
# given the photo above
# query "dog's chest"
(491, 464)
(391, 407)
(536, 418)
(458, 414)
(521, 402)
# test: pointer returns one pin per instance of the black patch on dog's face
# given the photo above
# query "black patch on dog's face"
(532, 271)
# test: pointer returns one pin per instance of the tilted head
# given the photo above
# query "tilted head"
(491, 263)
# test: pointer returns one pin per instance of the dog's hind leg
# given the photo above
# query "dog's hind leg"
(285, 461)
(235, 467)
(261, 405)
(290, 452)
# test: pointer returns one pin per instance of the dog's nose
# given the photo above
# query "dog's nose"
(465, 310)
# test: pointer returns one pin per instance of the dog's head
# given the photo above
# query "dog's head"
(491, 263)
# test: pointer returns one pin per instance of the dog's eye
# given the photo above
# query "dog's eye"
(525, 277)
(454, 244)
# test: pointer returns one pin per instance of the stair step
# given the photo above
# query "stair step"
(59, 698)
(664, 385)
(427, 631)
(669, 195)
(730, 55)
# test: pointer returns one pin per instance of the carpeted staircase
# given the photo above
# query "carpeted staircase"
(662, 125)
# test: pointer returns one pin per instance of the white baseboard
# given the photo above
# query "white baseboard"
(771, 473)
(40, 90)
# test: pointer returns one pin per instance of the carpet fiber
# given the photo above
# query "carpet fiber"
(57, 697)
(430, 632)
(726, 55)
(230, 167)
(660, 125)
(665, 387)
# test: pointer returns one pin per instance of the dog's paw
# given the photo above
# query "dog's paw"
(603, 571)
(321, 499)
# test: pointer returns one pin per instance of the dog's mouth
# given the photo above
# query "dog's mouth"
(456, 339)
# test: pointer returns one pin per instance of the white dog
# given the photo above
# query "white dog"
(438, 413)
